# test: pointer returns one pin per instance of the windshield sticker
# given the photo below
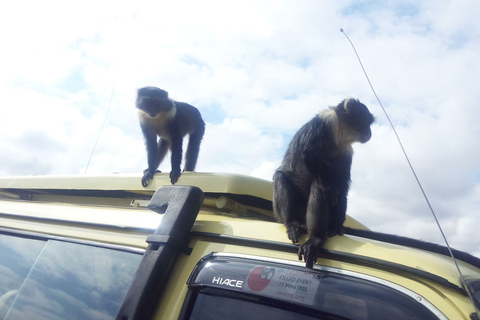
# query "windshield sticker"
(291, 285)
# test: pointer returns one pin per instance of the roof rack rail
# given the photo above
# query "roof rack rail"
(414, 243)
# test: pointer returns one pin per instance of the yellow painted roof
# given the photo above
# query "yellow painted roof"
(128, 225)
(208, 182)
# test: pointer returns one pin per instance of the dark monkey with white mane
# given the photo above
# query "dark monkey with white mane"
(310, 187)
(171, 121)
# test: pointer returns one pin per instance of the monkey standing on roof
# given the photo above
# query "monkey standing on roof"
(171, 121)
(310, 188)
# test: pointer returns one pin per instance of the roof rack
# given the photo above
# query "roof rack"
(414, 243)
(180, 204)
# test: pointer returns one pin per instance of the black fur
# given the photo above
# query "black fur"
(310, 187)
(171, 121)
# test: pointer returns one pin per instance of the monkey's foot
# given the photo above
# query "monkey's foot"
(295, 230)
(340, 231)
(147, 176)
(174, 175)
(310, 250)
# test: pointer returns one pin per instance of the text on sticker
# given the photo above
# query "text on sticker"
(227, 282)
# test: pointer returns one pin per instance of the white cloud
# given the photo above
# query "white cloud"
(239, 147)
(257, 70)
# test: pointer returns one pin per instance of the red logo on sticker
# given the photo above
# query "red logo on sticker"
(259, 278)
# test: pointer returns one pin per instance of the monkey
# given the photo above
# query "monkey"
(171, 121)
(311, 185)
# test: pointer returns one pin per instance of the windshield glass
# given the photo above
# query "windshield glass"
(62, 280)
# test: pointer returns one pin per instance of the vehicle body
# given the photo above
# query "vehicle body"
(86, 247)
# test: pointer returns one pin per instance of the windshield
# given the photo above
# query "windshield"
(62, 280)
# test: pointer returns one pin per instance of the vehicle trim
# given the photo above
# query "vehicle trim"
(146, 230)
(420, 299)
(46, 237)
(414, 243)
(336, 255)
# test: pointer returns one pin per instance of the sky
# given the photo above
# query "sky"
(257, 71)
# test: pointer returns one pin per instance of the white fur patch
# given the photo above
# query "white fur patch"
(341, 134)
(330, 116)
(158, 122)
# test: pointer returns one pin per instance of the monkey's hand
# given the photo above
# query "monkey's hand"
(310, 250)
(330, 194)
(174, 175)
(295, 230)
(147, 176)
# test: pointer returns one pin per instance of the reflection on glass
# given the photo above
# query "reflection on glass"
(17, 256)
(73, 281)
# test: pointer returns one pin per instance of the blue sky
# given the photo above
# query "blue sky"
(257, 70)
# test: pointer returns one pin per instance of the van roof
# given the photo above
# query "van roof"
(107, 202)
(208, 182)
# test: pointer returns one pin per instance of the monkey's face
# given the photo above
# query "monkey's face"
(360, 127)
(351, 134)
(355, 116)
(155, 107)
(364, 134)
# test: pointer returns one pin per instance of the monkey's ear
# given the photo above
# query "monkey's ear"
(345, 105)
(348, 103)
(343, 108)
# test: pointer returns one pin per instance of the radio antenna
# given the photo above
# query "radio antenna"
(414, 173)
(101, 130)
